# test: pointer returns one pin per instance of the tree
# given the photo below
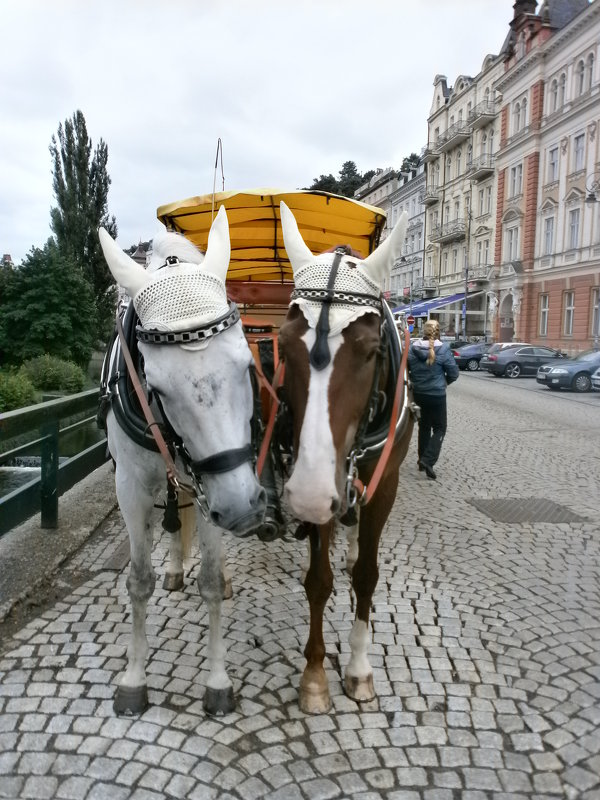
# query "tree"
(326, 183)
(410, 162)
(46, 306)
(80, 183)
(350, 179)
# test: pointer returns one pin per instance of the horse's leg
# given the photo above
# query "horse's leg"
(218, 698)
(314, 687)
(352, 551)
(358, 677)
(180, 528)
(136, 505)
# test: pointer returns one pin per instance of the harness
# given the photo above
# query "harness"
(383, 422)
(141, 415)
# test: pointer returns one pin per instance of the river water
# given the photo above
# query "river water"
(27, 468)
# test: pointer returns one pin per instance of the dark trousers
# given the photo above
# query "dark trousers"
(432, 426)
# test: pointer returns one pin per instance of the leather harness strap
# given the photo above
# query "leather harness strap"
(153, 425)
(365, 493)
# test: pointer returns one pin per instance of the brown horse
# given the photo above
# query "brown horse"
(346, 388)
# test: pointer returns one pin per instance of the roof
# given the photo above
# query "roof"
(257, 252)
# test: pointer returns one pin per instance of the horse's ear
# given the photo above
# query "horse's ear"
(379, 264)
(126, 272)
(298, 253)
(218, 250)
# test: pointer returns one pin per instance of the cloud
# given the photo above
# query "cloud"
(292, 89)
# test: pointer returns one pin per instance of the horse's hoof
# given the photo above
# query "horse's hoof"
(131, 700)
(227, 589)
(218, 702)
(359, 689)
(313, 698)
(173, 581)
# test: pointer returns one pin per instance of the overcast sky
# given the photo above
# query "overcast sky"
(294, 88)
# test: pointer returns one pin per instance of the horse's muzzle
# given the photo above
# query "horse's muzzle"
(242, 524)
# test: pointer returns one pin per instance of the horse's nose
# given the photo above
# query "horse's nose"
(335, 505)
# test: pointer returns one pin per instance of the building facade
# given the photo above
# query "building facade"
(547, 247)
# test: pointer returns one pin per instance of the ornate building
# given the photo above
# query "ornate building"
(547, 246)
(513, 185)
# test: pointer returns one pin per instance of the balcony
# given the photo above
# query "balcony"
(480, 167)
(429, 154)
(482, 114)
(431, 196)
(455, 230)
(456, 134)
(479, 273)
(426, 285)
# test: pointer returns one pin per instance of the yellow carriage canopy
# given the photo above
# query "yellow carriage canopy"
(257, 252)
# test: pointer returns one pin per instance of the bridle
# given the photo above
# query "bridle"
(356, 491)
(218, 463)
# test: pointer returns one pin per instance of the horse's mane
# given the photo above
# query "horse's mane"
(173, 244)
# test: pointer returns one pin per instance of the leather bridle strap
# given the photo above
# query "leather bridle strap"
(266, 442)
(223, 462)
(153, 426)
(365, 493)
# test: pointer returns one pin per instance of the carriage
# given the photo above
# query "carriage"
(259, 360)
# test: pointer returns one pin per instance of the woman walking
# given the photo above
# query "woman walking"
(432, 367)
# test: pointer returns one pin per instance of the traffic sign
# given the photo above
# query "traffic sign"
(410, 320)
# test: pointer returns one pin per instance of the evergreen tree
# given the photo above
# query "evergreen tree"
(45, 307)
(326, 183)
(350, 179)
(80, 184)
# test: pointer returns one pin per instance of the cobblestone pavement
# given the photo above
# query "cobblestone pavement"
(486, 645)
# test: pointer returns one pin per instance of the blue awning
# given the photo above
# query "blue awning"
(423, 307)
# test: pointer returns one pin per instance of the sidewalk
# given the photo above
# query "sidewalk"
(485, 650)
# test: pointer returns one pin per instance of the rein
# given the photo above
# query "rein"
(357, 491)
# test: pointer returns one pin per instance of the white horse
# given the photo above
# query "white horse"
(196, 365)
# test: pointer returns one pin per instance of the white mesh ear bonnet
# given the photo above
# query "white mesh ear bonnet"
(180, 298)
(350, 278)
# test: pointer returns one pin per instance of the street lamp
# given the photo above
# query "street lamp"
(592, 188)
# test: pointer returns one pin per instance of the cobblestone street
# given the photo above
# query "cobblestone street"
(486, 643)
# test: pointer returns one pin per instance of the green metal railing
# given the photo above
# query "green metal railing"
(42, 493)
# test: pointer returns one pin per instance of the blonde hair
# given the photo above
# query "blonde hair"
(431, 331)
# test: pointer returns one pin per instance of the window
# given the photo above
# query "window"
(569, 312)
(561, 89)
(491, 141)
(456, 209)
(488, 200)
(574, 228)
(553, 95)
(448, 168)
(579, 78)
(481, 202)
(465, 260)
(516, 180)
(548, 235)
(553, 164)
(512, 243)
(589, 72)
(455, 261)
(486, 252)
(596, 312)
(578, 151)
(480, 253)
(445, 263)
(458, 163)
(484, 141)
(517, 117)
(544, 309)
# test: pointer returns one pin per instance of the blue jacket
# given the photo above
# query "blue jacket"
(431, 379)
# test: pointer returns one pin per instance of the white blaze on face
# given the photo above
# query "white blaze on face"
(311, 490)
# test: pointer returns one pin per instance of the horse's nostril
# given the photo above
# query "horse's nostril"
(335, 505)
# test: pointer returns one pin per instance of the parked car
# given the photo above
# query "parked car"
(469, 356)
(496, 348)
(572, 373)
(596, 380)
(512, 362)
